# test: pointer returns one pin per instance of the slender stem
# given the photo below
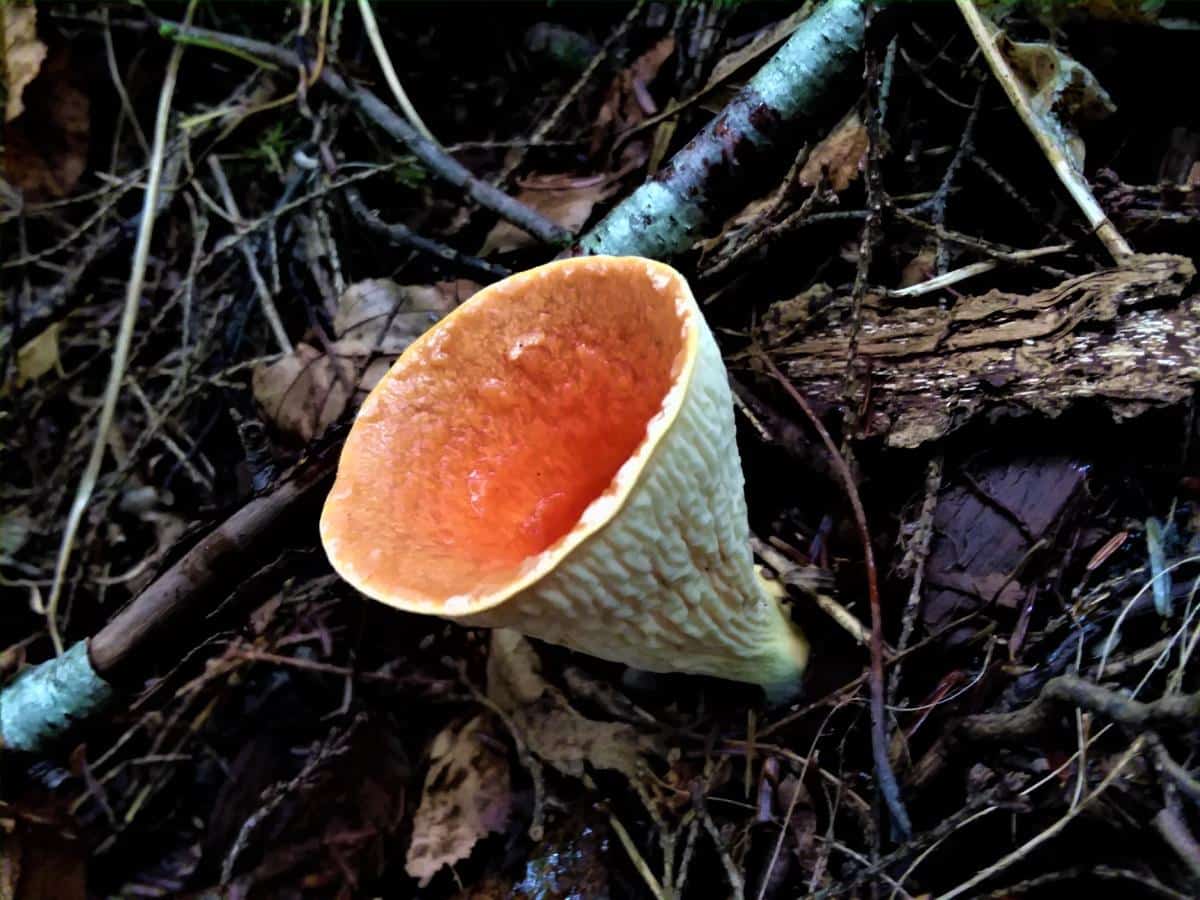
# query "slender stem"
(389, 72)
(883, 768)
(434, 157)
(133, 295)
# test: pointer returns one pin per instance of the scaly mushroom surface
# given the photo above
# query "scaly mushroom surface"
(558, 456)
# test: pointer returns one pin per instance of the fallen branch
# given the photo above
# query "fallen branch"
(665, 215)
(46, 700)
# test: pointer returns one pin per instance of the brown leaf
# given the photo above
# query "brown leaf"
(839, 157)
(379, 315)
(23, 53)
(555, 731)
(1062, 93)
(41, 855)
(920, 268)
(39, 356)
(306, 391)
(628, 101)
(46, 146)
(570, 207)
(40, 863)
(467, 796)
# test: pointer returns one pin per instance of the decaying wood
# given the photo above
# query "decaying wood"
(1125, 336)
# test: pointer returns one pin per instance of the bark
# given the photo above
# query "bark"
(1126, 337)
(705, 179)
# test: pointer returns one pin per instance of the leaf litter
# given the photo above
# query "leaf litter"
(232, 757)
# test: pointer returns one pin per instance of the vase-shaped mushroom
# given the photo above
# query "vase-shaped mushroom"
(558, 456)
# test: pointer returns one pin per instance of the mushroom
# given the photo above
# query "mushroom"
(558, 456)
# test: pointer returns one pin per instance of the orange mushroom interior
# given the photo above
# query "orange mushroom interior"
(487, 440)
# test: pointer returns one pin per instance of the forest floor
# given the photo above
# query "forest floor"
(1010, 388)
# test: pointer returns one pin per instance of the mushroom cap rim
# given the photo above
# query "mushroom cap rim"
(601, 511)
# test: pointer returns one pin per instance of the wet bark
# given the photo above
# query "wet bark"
(1127, 337)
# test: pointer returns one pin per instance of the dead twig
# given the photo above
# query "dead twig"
(548, 124)
(888, 785)
(955, 276)
(1175, 711)
(389, 72)
(914, 562)
(405, 237)
(133, 296)
(986, 36)
(260, 286)
(1029, 846)
(438, 161)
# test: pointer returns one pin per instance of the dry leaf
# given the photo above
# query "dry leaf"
(305, 392)
(379, 315)
(570, 207)
(1063, 94)
(39, 356)
(839, 157)
(308, 390)
(920, 268)
(555, 731)
(46, 146)
(23, 54)
(628, 101)
(467, 796)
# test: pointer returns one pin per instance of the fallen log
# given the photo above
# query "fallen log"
(1127, 337)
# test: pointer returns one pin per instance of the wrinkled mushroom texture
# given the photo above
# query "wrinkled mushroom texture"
(474, 462)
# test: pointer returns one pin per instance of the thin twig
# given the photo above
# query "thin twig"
(389, 73)
(737, 887)
(133, 295)
(639, 862)
(548, 124)
(954, 276)
(404, 236)
(1086, 873)
(1070, 177)
(888, 785)
(119, 86)
(914, 559)
(785, 568)
(1029, 846)
(433, 156)
(265, 300)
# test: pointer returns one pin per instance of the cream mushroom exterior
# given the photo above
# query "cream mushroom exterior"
(558, 456)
